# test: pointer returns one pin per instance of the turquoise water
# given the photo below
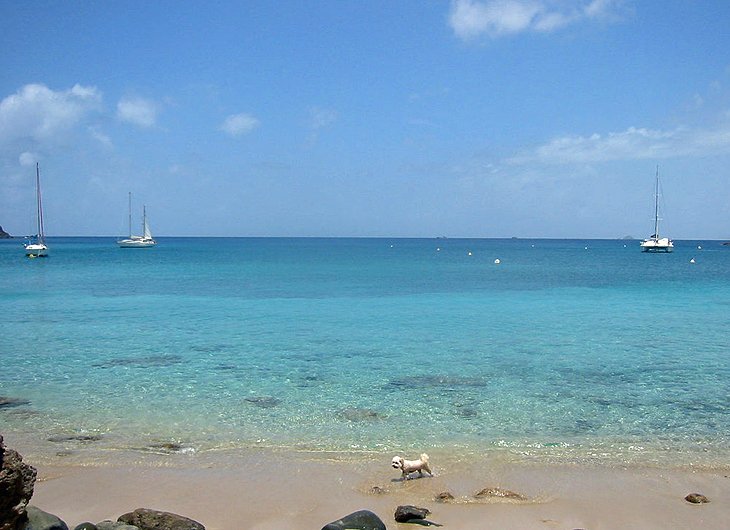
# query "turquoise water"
(566, 350)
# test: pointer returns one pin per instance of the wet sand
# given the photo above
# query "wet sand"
(267, 490)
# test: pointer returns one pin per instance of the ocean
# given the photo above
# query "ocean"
(585, 351)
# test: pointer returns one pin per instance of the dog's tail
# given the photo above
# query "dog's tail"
(424, 457)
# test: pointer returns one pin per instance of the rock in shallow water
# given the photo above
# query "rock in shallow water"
(7, 402)
(146, 519)
(696, 498)
(500, 493)
(360, 520)
(408, 512)
(444, 496)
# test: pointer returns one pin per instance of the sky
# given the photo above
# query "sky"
(343, 118)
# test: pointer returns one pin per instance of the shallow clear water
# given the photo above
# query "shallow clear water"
(566, 350)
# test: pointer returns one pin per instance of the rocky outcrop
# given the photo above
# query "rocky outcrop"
(4, 234)
(16, 488)
(145, 519)
(360, 520)
(40, 520)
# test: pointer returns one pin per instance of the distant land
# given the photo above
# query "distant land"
(4, 234)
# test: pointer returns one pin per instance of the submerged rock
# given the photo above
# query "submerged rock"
(357, 414)
(360, 520)
(499, 493)
(84, 438)
(265, 402)
(40, 520)
(146, 519)
(444, 496)
(7, 402)
(153, 361)
(696, 498)
(17, 480)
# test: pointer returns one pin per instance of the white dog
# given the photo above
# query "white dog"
(411, 466)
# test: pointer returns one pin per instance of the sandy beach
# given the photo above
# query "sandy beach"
(267, 490)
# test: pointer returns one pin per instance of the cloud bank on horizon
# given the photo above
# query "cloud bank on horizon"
(319, 168)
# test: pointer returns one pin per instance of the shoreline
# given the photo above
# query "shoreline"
(275, 489)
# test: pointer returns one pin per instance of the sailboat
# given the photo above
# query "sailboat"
(143, 241)
(36, 246)
(655, 243)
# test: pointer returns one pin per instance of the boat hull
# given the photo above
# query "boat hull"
(36, 250)
(657, 245)
(136, 243)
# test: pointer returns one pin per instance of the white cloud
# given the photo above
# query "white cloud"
(321, 118)
(238, 124)
(138, 111)
(100, 136)
(495, 18)
(631, 144)
(38, 113)
(27, 159)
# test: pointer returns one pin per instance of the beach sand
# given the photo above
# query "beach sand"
(270, 489)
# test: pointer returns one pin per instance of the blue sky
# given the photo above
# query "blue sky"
(471, 118)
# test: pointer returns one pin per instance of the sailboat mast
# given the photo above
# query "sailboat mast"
(39, 212)
(656, 205)
(144, 220)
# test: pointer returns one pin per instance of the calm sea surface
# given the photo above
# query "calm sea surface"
(567, 350)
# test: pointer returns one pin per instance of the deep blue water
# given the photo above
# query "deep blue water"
(566, 349)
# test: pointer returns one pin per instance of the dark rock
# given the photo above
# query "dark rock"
(7, 402)
(444, 496)
(84, 438)
(16, 488)
(360, 520)
(4, 234)
(500, 493)
(153, 361)
(115, 525)
(265, 402)
(696, 498)
(407, 512)
(167, 447)
(145, 519)
(378, 490)
(40, 520)
(356, 414)
(86, 526)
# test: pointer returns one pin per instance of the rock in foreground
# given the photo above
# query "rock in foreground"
(16, 488)
(40, 520)
(360, 520)
(145, 519)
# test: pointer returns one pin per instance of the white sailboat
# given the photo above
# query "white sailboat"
(143, 241)
(36, 246)
(655, 243)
